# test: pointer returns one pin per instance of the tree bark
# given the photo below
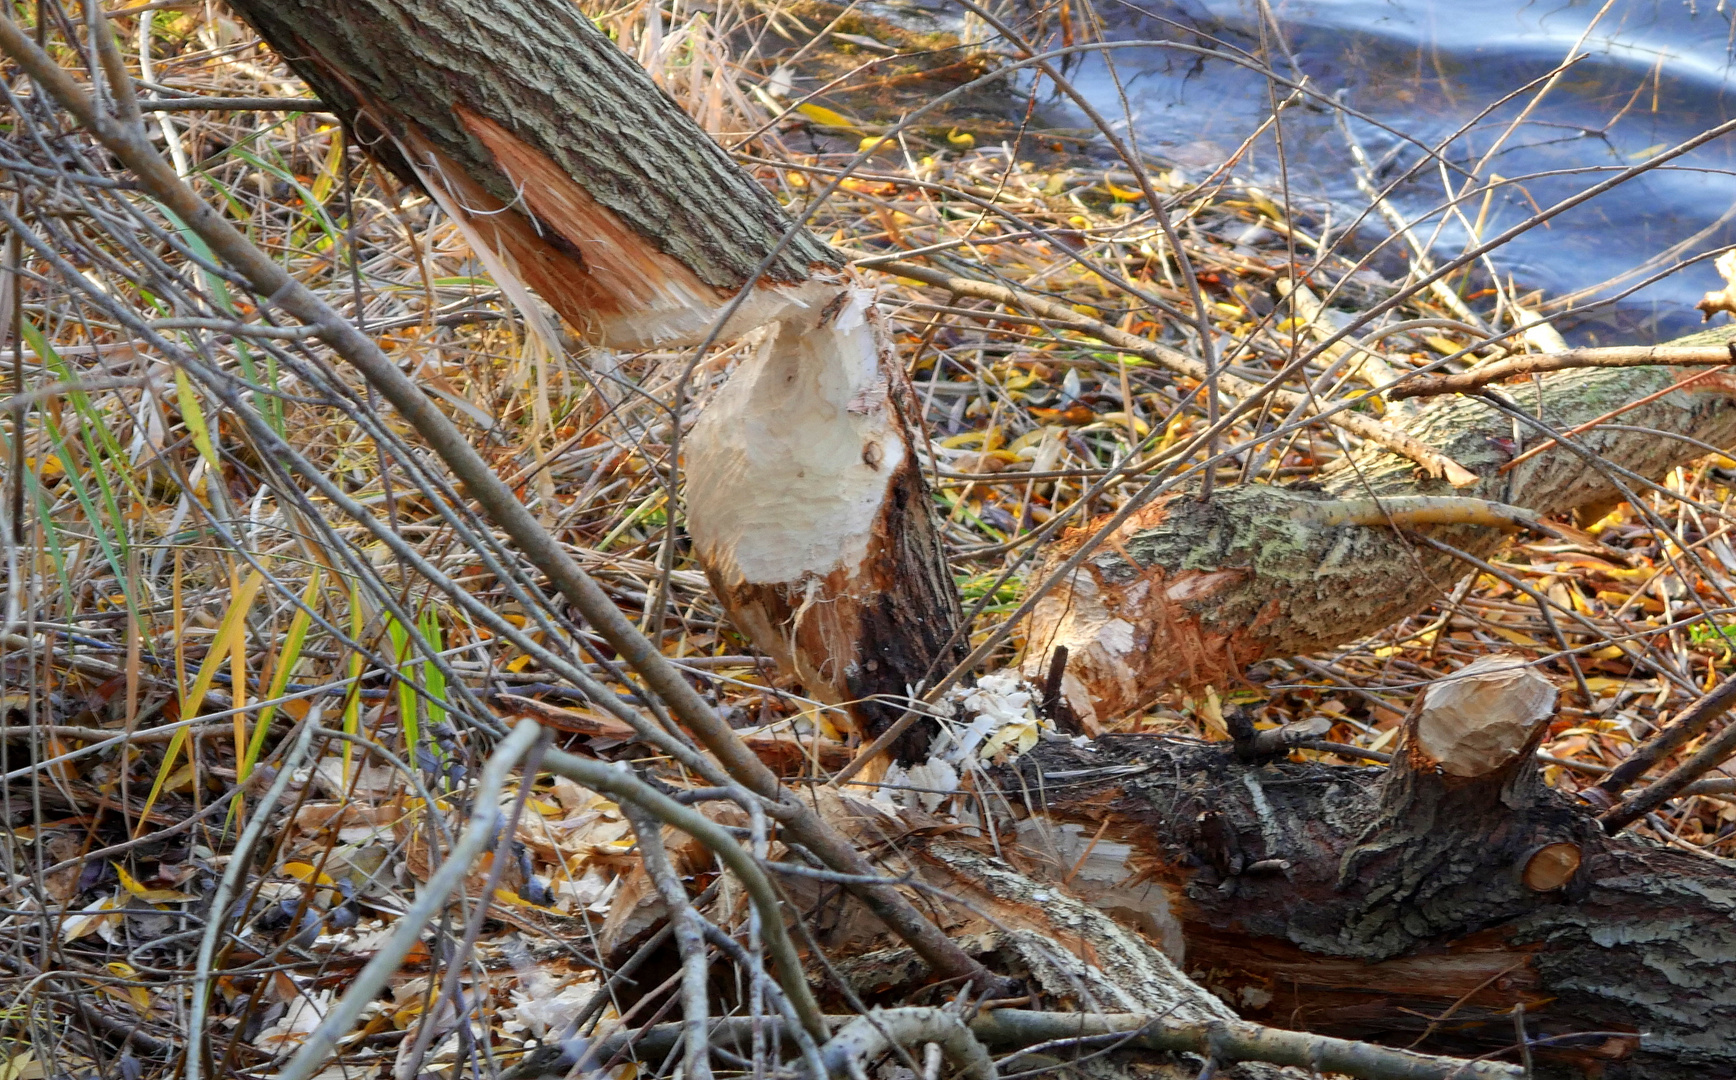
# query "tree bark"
(1189, 593)
(575, 177)
(810, 513)
(618, 210)
(1416, 906)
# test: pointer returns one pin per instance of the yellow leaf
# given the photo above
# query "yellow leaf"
(1601, 685)
(138, 996)
(1516, 637)
(1636, 574)
(871, 143)
(88, 921)
(819, 114)
(45, 467)
(305, 872)
(1019, 736)
(150, 896)
(1121, 193)
(1120, 418)
(328, 173)
(194, 417)
(1639, 600)
(127, 880)
(964, 140)
(22, 1066)
(507, 896)
(231, 635)
(65, 771)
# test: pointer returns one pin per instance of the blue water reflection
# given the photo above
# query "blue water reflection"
(1654, 74)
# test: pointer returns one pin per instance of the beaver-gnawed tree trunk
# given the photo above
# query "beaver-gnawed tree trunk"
(572, 173)
(576, 177)
(1189, 592)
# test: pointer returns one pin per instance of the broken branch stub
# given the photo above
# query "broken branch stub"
(1464, 820)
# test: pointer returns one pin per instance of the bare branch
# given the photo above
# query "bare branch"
(1513, 366)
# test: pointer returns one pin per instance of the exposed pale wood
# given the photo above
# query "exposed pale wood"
(811, 517)
(1481, 718)
(1552, 866)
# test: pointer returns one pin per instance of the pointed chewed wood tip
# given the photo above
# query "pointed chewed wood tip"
(1483, 716)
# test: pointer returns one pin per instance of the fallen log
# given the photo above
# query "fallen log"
(1187, 593)
(1095, 985)
(1448, 902)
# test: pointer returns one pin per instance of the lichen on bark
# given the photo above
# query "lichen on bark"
(1190, 592)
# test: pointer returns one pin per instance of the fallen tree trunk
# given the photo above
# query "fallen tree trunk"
(1422, 906)
(1452, 903)
(1188, 592)
(574, 176)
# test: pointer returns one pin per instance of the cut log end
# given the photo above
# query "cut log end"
(1551, 866)
(1479, 720)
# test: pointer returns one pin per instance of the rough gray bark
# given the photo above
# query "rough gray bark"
(411, 70)
(1190, 593)
(1355, 902)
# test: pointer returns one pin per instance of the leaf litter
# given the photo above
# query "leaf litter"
(174, 578)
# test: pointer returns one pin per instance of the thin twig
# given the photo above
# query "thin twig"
(1536, 364)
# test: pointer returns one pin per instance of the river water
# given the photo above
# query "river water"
(1652, 74)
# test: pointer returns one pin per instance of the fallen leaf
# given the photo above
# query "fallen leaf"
(1724, 299)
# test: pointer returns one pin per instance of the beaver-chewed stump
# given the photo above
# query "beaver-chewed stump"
(1451, 901)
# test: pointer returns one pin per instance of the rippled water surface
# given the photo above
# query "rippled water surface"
(1652, 75)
